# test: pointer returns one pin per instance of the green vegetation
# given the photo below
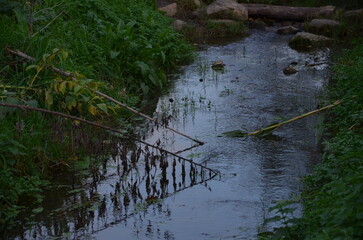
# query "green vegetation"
(333, 194)
(120, 47)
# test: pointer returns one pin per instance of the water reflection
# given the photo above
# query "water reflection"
(121, 187)
(251, 93)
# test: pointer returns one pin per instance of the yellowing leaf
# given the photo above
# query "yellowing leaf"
(64, 55)
(93, 110)
(48, 98)
(31, 67)
(63, 87)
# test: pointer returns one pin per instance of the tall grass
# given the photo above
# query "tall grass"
(123, 47)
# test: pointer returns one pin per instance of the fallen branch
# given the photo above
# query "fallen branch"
(289, 13)
(23, 107)
(70, 75)
(271, 128)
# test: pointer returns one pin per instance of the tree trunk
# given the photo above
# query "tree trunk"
(289, 13)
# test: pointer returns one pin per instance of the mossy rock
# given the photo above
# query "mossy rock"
(306, 41)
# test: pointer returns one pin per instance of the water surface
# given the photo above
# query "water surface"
(163, 197)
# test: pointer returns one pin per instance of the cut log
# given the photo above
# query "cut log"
(289, 13)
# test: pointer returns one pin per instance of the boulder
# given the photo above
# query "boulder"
(289, 70)
(225, 9)
(170, 10)
(322, 26)
(178, 25)
(354, 15)
(257, 24)
(287, 30)
(223, 21)
(197, 3)
(304, 40)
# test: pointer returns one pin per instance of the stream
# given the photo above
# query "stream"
(146, 194)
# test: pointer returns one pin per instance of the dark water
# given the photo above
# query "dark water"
(152, 195)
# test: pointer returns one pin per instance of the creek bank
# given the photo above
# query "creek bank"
(200, 22)
(332, 195)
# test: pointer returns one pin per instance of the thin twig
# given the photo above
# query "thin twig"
(70, 75)
(23, 107)
(187, 149)
(48, 24)
(17, 87)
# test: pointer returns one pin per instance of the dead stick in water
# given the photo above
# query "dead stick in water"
(271, 128)
(68, 74)
(23, 107)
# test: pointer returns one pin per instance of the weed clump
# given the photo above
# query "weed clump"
(122, 47)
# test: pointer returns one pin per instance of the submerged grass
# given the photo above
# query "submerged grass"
(333, 193)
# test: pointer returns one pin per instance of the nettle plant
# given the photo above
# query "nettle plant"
(73, 93)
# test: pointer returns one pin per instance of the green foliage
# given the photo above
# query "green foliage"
(124, 42)
(120, 47)
(333, 194)
(16, 190)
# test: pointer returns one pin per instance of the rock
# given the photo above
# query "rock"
(225, 9)
(178, 25)
(218, 65)
(288, 13)
(304, 40)
(354, 15)
(289, 70)
(223, 21)
(197, 3)
(322, 26)
(257, 24)
(170, 10)
(287, 30)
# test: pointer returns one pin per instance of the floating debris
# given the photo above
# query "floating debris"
(218, 65)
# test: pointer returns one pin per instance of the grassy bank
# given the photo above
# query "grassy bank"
(333, 194)
(120, 47)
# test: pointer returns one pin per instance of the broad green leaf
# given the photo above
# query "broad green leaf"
(102, 106)
(16, 151)
(32, 103)
(144, 88)
(163, 57)
(120, 26)
(114, 54)
(143, 67)
(77, 88)
(38, 210)
(56, 50)
(70, 102)
(235, 133)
